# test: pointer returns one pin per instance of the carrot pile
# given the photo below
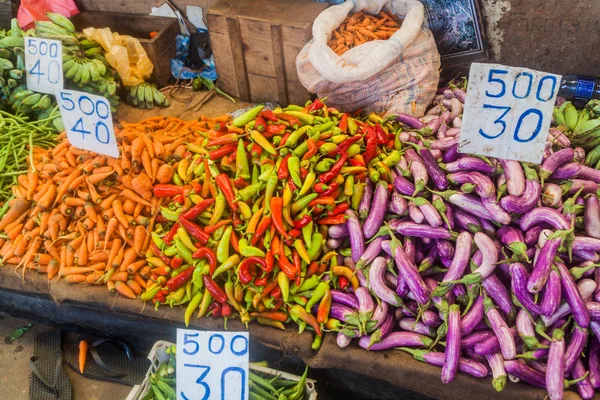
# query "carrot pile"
(88, 217)
(360, 28)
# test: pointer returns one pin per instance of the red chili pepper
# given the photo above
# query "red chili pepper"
(320, 187)
(278, 304)
(179, 199)
(343, 282)
(345, 145)
(225, 139)
(324, 307)
(312, 269)
(277, 215)
(324, 200)
(298, 265)
(167, 190)
(214, 309)
(159, 253)
(255, 151)
(158, 298)
(205, 252)
(175, 283)
(168, 239)
(381, 134)
(244, 268)
(235, 242)
(195, 211)
(295, 233)
(176, 262)
(215, 290)
(262, 227)
(356, 163)
(333, 220)
(268, 115)
(260, 124)
(222, 152)
(276, 293)
(334, 170)
(269, 261)
(283, 171)
(196, 187)
(293, 121)
(276, 129)
(186, 154)
(303, 173)
(315, 106)
(284, 138)
(261, 281)
(332, 188)
(292, 186)
(287, 267)
(226, 310)
(302, 222)
(194, 230)
(210, 229)
(371, 145)
(339, 209)
(224, 184)
(343, 124)
(312, 149)
(160, 219)
(237, 222)
(240, 183)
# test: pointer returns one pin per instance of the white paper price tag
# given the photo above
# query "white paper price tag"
(43, 65)
(212, 365)
(507, 112)
(88, 121)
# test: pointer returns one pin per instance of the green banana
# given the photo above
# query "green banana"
(93, 51)
(11, 83)
(20, 61)
(94, 74)
(571, 116)
(133, 91)
(52, 27)
(85, 74)
(6, 53)
(148, 96)
(101, 67)
(593, 157)
(559, 117)
(12, 41)
(72, 71)
(88, 44)
(141, 92)
(43, 103)
(21, 94)
(62, 21)
(584, 115)
(16, 73)
(32, 99)
(6, 64)
(15, 28)
(68, 64)
(587, 127)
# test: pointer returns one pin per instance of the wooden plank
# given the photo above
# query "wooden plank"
(278, 63)
(258, 51)
(297, 94)
(235, 40)
(137, 6)
(262, 88)
(221, 48)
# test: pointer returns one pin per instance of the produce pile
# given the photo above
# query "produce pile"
(163, 382)
(360, 28)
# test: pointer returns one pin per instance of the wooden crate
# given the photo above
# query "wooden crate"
(255, 44)
(160, 48)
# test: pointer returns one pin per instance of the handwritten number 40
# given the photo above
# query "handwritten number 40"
(495, 79)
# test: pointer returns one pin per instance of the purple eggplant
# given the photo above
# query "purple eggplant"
(466, 365)
(445, 248)
(567, 171)
(469, 164)
(417, 169)
(411, 325)
(594, 363)
(398, 204)
(343, 340)
(410, 273)
(423, 231)
(519, 288)
(573, 297)
(584, 243)
(588, 173)
(365, 301)
(372, 251)
(338, 231)
(585, 288)
(496, 290)
(502, 331)
(342, 313)
(431, 318)
(557, 159)
(438, 177)
(552, 295)
(496, 363)
(558, 137)
(429, 260)
(451, 154)
(552, 195)
(380, 313)
(593, 308)
(592, 216)
(467, 221)
(428, 211)
(494, 209)
(459, 262)
(378, 208)
(556, 366)
(396, 339)
(489, 259)
(409, 120)
(468, 203)
(453, 338)
(544, 215)
(526, 329)
(492, 345)
(515, 177)
(334, 243)
(576, 185)
(460, 94)
(378, 285)
(584, 386)
(347, 299)
(543, 265)
(403, 186)
(471, 340)
(359, 274)
(577, 342)
(484, 186)
(514, 240)
(357, 240)
(524, 203)
(444, 143)
(521, 370)
(415, 214)
(365, 203)
(470, 320)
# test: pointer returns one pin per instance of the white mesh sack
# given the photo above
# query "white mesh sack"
(381, 75)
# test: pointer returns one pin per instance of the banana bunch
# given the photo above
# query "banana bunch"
(59, 28)
(582, 127)
(28, 101)
(107, 87)
(145, 95)
(82, 70)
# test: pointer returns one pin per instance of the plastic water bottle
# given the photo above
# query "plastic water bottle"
(579, 88)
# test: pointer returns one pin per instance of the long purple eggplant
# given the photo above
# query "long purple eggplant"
(592, 216)
(543, 265)
(594, 362)
(525, 202)
(515, 177)
(410, 273)
(460, 261)
(584, 386)
(438, 177)
(343, 340)
(577, 342)
(524, 372)
(466, 365)
(498, 213)
(552, 295)
(451, 154)
(357, 240)
(484, 186)
(471, 340)
(377, 213)
(409, 120)
(372, 251)
(466, 221)
(567, 171)
(365, 203)
(469, 164)
(585, 288)
(496, 363)
(397, 205)
(411, 325)
(347, 299)
(417, 169)
(396, 339)
(544, 215)
(519, 288)
(588, 173)
(492, 345)
(502, 331)
(423, 231)
(498, 292)
(557, 159)
(378, 285)
(403, 186)
(552, 195)
(338, 231)
(431, 215)
(453, 338)
(573, 297)
(556, 366)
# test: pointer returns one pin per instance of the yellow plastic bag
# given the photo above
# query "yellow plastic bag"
(124, 53)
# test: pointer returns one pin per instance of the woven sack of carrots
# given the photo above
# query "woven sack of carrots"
(375, 55)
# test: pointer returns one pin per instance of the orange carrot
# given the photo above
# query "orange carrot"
(119, 276)
(76, 278)
(124, 290)
(135, 287)
(83, 349)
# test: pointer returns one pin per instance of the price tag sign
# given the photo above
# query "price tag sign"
(212, 365)
(88, 121)
(43, 65)
(507, 112)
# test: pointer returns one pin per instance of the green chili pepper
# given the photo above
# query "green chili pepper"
(272, 183)
(284, 285)
(228, 264)
(318, 294)
(308, 182)
(255, 174)
(324, 165)
(247, 116)
(294, 168)
(397, 143)
(245, 210)
(179, 270)
(192, 306)
(276, 140)
(249, 191)
(316, 344)
(184, 252)
(241, 162)
(302, 203)
(177, 296)
(349, 185)
(158, 242)
(199, 170)
(339, 138)
(170, 251)
(296, 135)
(249, 251)
(302, 302)
(267, 240)
(219, 209)
(218, 234)
(206, 300)
(392, 159)
(323, 127)
(305, 119)
(248, 298)
(374, 175)
(149, 295)
(293, 107)
(307, 234)
(223, 247)
(327, 148)
(169, 215)
(177, 180)
(345, 252)
(315, 249)
(268, 170)
(300, 150)
(257, 204)
(357, 195)
(308, 284)
(353, 150)
(352, 127)
(185, 239)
